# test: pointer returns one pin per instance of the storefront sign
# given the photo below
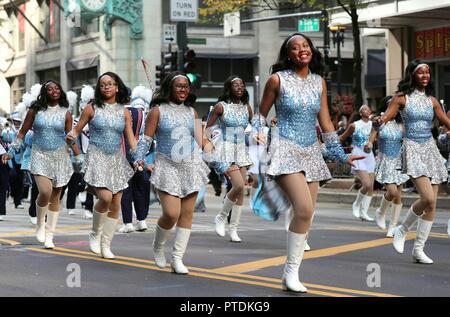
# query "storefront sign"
(432, 43)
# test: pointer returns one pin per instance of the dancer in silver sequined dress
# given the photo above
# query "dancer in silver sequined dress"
(179, 171)
(50, 164)
(390, 139)
(360, 130)
(421, 159)
(234, 113)
(106, 168)
(296, 162)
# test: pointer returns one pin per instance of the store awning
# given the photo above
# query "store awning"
(79, 64)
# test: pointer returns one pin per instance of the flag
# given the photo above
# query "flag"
(22, 19)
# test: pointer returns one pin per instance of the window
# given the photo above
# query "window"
(17, 27)
(87, 28)
(50, 20)
(216, 70)
(52, 73)
(82, 77)
(17, 85)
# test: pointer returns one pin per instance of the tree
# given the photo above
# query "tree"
(214, 10)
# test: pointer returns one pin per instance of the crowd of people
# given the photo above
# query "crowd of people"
(126, 145)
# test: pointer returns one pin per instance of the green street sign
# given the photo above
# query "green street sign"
(309, 25)
(197, 41)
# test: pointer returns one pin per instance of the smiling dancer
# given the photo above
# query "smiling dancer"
(296, 162)
(234, 113)
(179, 172)
(421, 159)
(106, 168)
(50, 158)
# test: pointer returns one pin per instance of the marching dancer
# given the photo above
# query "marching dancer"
(179, 172)
(365, 169)
(234, 113)
(390, 138)
(299, 94)
(50, 158)
(106, 168)
(421, 159)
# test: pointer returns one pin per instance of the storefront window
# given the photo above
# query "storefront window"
(52, 73)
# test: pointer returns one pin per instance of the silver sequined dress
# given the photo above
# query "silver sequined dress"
(179, 168)
(294, 144)
(420, 154)
(360, 138)
(390, 139)
(106, 165)
(50, 155)
(232, 149)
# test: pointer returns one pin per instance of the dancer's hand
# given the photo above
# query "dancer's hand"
(355, 158)
(377, 121)
(150, 168)
(71, 138)
(5, 158)
(139, 165)
(260, 138)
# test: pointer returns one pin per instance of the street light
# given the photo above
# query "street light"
(338, 32)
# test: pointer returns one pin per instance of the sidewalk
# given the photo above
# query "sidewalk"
(338, 191)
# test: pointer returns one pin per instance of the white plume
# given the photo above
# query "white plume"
(72, 99)
(28, 99)
(141, 97)
(22, 110)
(87, 94)
(35, 90)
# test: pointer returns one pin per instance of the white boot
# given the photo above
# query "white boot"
(295, 249)
(396, 209)
(234, 223)
(221, 217)
(98, 220)
(179, 247)
(52, 220)
(380, 213)
(161, 236)
(423, 231)
(357, 204)
(307, 247)
(401, 231)
(41, 212)
(109, 228)
(365, 204)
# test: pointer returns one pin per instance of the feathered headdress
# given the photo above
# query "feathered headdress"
(87, 94)
(72, 99)
(141, 97)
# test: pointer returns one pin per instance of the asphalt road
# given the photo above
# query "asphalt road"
(348, 258)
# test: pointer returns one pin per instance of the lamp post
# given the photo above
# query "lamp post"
(338, 38)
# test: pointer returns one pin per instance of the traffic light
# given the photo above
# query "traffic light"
(189, 69)
(169, 63)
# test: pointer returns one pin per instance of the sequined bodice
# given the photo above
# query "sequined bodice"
(49, 128)
(106, 128)
(418, 116)
(175, 133)
(362, 133)
(234, 120)
(390, 139)
(297, 107)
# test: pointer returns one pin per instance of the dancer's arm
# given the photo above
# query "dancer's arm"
(17, 145)
(86, 116)
(442, 117)
(68, 128)
(216, 112)
(129, 131)
(270, 95)
(397, 103)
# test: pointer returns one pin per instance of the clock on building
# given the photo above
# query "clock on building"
(93, 5)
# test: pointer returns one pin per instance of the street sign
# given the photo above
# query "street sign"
(184, 10)
(169, 33)
(232, 24)
(197, 41)
(309, 25)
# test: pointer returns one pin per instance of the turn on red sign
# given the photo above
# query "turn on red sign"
(184, 10)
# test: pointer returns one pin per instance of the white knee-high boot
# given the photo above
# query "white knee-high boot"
(234, 223)
(179, 248)
(357, 204)
(401, 231)
(52, 220)
(295, 249)
(109, 228)
(41, 212)
(221, 217)
(396, 209)
(365, 204)
(98, 219)
(161, 236)
(380, 213)
(423, 231)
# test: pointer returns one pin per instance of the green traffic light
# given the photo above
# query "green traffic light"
(192, 78)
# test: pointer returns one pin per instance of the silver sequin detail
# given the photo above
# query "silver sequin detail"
(111, 171)
(287, 157)
(362, 133)
(423, 159)
(418, 115)
(49, 128)
(55, 165)
(387, 172)
(179, 179)
(297, 107)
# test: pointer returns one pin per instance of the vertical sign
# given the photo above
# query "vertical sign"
(184, 10)
(232, 24)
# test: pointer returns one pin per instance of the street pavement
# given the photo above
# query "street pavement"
(348, 258)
